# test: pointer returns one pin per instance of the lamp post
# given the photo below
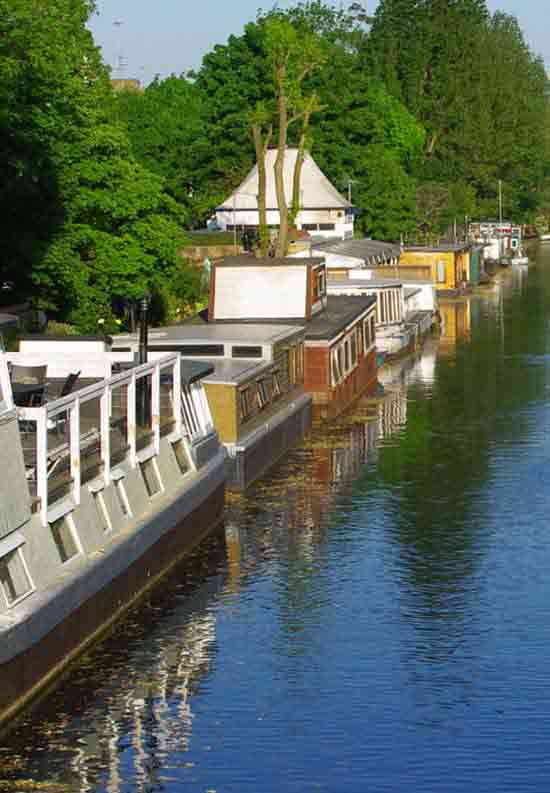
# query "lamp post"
(142, 386)
(143, 326)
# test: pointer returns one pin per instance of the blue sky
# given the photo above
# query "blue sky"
(173, 35)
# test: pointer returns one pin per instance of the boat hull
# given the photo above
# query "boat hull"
(111, 593)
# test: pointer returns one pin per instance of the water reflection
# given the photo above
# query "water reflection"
(128, 705)
(386, 586)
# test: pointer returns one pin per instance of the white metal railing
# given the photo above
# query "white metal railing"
(190, 415)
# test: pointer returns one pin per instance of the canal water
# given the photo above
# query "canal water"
(374, 615)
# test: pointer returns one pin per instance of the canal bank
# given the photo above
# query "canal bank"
(374, 615)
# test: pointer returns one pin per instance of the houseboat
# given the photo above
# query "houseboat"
(103, 489)
(340, 338)
(446, 265)
(255, 392)
(405, 312)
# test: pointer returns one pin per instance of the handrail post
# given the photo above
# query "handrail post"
(155, 406)
(74, 428)
(176, 396)
(42, 463)
(105, 427)
(131, 413)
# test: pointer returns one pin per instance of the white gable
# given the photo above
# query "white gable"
(316, 190)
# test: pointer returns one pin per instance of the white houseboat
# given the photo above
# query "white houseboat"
(103, 489)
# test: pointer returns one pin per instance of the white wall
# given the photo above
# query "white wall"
(260, 292)
(343, 228)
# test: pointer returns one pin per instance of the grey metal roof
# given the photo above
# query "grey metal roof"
(215, 332)
(368, 283)
(267, 261)
(233, 371)
(443, 247)
(195, 370)
(340, 311)
(363, 248)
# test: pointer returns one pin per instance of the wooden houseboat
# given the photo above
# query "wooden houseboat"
(340, 338)
(255, 393)
(404, 312)
(446, 265)
(103, 490)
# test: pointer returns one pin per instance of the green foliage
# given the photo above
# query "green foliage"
(86, 221)
(481, 95)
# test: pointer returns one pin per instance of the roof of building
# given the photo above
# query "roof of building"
(340, 311)
(316, 191)
(443, 247)
(233, 371)
(358, 248)
(365, 283)
(214, 332)
(269, 261)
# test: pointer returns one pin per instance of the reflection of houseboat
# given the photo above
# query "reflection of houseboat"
(456, 321)
(339, 348)
(256, 391)
(125, 721)
(128, 474)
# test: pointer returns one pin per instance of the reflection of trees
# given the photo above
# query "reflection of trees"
(128, 704)
(440, 466)
(287, 521)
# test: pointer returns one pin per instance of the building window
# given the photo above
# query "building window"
(15, 580)
(65, 538)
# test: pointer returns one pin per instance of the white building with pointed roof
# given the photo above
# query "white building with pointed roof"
(323, 210)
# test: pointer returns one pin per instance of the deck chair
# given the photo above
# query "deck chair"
(59, 424)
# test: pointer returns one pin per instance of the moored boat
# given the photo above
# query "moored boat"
(103, 490)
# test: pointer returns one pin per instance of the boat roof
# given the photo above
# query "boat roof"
(214, 332)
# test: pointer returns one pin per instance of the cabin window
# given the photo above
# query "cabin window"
(441, 273)
(294, 364)
(300, 363)
(181, 457)
(189, 411)
(353, 348)
(124, 504)
(360, 347)
(246, 402)
(276, 385)
(263, 393)
(336, 368)
(101, 512)
(372, 329)
(15, 580)
(320, 284)
(246, 352)
(198, 350)
(65, 538)
(151, 478)
(347, 356)
(326, 226)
